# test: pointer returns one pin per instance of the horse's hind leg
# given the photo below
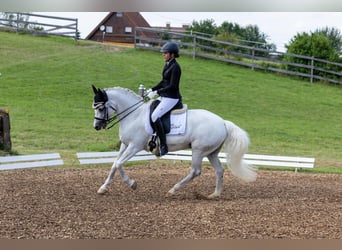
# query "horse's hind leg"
(219, 170)
(195, 171)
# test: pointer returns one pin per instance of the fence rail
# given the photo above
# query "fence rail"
(247, 56)
(30, 161)
(54, 159)
(186, 155)
(51, 25)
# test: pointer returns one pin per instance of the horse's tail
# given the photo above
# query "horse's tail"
(236, 145)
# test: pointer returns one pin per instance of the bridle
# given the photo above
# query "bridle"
(115, 119)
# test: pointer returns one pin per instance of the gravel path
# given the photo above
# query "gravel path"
(61, 203)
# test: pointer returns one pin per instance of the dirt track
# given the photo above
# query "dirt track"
(62, 203)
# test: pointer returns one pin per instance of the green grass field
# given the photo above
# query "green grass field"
(46, 85)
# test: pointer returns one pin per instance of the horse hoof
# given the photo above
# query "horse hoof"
(102, 191)
(170, 193)
(134, 185)
(214, 196)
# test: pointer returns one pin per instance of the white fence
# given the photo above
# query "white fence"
(185, 155)
(30, 161)
(54, 159)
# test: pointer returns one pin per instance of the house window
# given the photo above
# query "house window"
(109, 29)
(119, 14)
(128, 29)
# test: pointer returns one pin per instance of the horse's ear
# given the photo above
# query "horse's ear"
(103, 95)
(94, 89)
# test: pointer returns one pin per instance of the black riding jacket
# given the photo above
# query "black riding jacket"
(169, 85)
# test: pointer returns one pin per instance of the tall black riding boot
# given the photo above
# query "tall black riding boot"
(162, 137)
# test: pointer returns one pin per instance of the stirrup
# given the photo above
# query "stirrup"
(152, 143)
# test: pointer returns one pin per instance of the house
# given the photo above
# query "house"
(118, 27)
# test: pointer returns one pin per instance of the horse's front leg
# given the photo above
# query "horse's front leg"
(128, 154)
(123, 157)
(104, 188)
(130, 182)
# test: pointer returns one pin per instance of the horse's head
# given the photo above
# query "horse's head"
(100, 106)
(113, 105)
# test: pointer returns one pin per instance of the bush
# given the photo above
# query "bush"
(312, 45)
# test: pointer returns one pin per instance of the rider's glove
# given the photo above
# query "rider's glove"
(150, 93)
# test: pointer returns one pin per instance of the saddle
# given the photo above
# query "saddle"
(166, 118)
(179, 108)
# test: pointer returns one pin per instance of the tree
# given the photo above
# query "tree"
(204, 28)
(226, 37)
(207, 27)
(334, 36)
(253, 36)
(230, 28)
(249, 35)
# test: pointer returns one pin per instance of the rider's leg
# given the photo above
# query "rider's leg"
(165, 105)
(163, 150)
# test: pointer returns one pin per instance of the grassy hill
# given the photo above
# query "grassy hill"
(46, 85)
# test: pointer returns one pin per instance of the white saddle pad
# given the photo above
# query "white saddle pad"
(177, 119)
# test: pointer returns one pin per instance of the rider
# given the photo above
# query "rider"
(168, 90)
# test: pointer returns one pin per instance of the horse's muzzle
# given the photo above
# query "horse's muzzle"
(98, 125)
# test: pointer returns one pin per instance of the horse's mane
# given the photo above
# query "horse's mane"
(125, 91)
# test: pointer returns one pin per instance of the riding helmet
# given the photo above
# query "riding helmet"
(170, 47)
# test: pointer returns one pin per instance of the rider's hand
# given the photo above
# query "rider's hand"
(150, 93)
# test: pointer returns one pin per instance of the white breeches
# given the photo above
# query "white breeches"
(165, 105)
